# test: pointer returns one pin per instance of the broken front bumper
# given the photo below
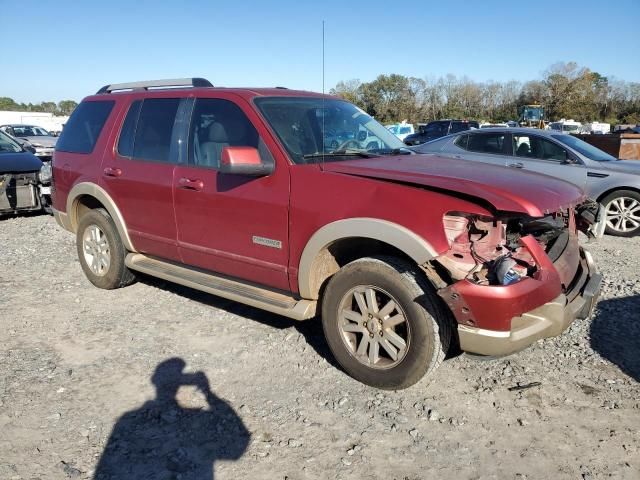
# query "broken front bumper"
(548, 320)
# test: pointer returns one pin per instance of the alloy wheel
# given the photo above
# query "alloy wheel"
(623, 214)
(95, 247)
(373, 327)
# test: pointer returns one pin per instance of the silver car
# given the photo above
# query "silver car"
(612, 182)
(39, 138)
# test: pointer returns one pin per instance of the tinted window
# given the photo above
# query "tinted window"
(128, 132)
(461, 141)
(486, 143)
(459, 126)
(536, 147)
(154, 129)
(81, 132)
(216, 124)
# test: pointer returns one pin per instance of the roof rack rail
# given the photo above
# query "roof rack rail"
(146, 85)
(282, 88)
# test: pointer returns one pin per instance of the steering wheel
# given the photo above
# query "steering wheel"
(345, 145)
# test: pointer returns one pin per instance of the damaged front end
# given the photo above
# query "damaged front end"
(500, 272)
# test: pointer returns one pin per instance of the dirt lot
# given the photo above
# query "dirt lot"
(193, 386)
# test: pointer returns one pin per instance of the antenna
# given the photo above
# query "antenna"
(323, 109)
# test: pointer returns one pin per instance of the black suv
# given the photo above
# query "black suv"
(437, 129)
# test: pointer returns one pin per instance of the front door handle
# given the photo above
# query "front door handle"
(112, 172)
(188, 184)
(516, 165)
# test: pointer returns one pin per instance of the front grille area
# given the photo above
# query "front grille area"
(18, 192)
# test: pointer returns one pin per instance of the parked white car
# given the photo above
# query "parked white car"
(401, 130)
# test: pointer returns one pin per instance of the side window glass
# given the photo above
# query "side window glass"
(551, 151)
(128, 132)
(461, 141)
(83, 128)
(154, 129)
(458, 127)
(522, 146)
(487, 143)
(216, 124)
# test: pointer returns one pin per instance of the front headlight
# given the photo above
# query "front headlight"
(38, 145)
(45, 173)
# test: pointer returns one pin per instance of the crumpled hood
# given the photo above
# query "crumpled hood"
(19, 163)
(507, 189)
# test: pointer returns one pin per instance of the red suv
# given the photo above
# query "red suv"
(404, 256)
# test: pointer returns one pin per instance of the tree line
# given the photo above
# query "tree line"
(64, 107)
(566, 90)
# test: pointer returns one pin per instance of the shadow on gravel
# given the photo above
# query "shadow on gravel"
(161, 439)
(615, 333)
(311, 330)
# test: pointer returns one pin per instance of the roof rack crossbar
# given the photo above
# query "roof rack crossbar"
(145, 85)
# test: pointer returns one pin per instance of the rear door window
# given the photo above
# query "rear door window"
(128, 132)
(154, 130)
(487, 143)
(81, 132)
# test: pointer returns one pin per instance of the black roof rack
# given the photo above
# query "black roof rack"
(282, 88)
(146, 85)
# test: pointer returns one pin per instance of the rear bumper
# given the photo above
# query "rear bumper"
(548, 320)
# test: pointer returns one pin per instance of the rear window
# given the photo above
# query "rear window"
(459, 126)
(82, 131)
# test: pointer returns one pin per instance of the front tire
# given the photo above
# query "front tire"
(622, 209)
(101, 252)
(384, 323)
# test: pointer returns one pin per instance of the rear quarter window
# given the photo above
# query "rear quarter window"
(83, 129)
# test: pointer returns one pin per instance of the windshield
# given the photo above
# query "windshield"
(7, 145)
(29, 131)
(570, 128)
(348, 131)
(584, 148)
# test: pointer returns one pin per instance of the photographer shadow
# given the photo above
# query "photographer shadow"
(163, 440)
(615, 333)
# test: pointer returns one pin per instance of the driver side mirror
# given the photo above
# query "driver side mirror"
(244, 161)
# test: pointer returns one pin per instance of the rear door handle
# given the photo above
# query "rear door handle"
(188, 184)
(112, 172)
(516, 165)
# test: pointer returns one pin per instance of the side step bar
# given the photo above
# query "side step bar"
(192, 277)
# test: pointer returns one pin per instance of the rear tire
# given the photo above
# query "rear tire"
(388, 302)
(101, 252)
(622, 209)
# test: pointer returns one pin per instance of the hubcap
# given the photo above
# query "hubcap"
(373, 327)
(95, 247)
(623, 214)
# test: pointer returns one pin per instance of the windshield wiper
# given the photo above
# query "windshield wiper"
(394, 151)
(341, 153)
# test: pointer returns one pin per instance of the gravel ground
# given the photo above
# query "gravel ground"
(162, 379)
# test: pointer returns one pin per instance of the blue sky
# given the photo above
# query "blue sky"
(63, 49)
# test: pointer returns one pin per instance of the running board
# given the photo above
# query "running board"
(262, 298)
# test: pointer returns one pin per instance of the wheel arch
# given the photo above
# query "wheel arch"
(87, 195)
(318, 262)
(608, 192)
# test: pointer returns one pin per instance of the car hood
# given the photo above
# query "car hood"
(19, 163)
(506, 189)
(43, 140)
(625, 166)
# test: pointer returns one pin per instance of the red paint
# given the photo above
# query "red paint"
(204, 218)
(240, 156)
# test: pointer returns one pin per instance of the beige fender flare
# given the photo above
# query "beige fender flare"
(99, 193)
(385, 231)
